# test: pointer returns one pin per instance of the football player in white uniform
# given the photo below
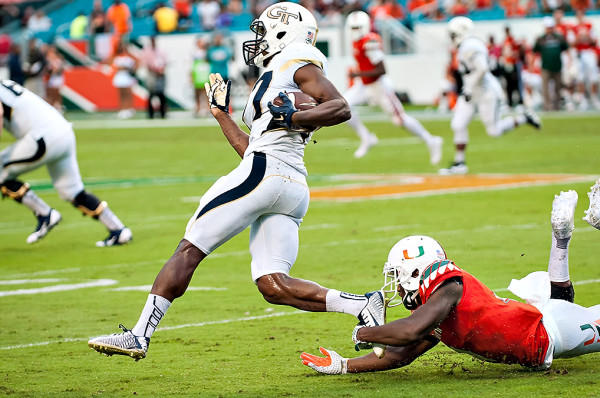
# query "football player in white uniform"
(373, 84)
(481, 92)
(267, 191)
(45, 138)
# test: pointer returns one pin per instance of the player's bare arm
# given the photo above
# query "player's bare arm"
(378, 70)
(217, 92)
(420, 323)
(395, 357)
(332, 109)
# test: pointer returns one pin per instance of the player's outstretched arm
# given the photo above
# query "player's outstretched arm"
(395, 357)
(217, 91)
(332, 109)
(420, 324)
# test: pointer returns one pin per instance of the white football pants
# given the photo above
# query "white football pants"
(55, 149)
(264, 193)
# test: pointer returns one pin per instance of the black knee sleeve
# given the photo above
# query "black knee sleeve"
(89, 204)
(562, 293)
(14, 189)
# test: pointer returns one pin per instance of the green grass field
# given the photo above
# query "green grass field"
(222, 338)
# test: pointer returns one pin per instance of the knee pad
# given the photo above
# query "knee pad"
(562, 293)
(89, 204)
(14, 189)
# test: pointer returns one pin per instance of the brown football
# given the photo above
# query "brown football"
(301, 101)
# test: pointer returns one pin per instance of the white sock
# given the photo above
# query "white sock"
(459, 156)
(155, 308)
(416, 128)
(558, 266)
(507, 124)
(520, 119)
(110, 220)
(37, 205)
(361, 131)
(346, 303)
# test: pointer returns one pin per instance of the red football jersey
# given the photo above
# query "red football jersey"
(368, 52)
(485, 325)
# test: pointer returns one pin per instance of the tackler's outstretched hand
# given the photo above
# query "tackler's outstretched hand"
(217, 91)
(332, 364)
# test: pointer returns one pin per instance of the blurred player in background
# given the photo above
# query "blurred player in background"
(481, 92)
(267, 191)
(450, 305)
(586, 45)
(376, 86)
(45, 138)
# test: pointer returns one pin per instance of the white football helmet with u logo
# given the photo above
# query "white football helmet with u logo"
(406, 262)
(278, 26)
(358, 25)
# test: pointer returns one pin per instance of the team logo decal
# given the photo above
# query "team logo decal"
(595, 329)
(407, 257)
(281, 13)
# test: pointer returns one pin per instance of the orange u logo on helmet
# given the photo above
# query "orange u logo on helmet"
(407, 257)
(281, 13)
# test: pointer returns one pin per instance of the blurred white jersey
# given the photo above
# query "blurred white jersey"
(473, 65)
(44, 138)
(26, 113)
(265, 135)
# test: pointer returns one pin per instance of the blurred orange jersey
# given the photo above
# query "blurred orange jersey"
(485, 325)
(368, 52)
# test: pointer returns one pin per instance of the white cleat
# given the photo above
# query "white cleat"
(365, 145)
(563, 214)
(435, 150)
(533, 119)
(45, 224)
(121, 344)
(592, 214)
(116, 238)
(456, 168)
(373, 314)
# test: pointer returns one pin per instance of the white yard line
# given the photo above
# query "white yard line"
(189, 325)
(59, 288)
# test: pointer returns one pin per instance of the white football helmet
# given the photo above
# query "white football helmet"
(279, 25)
(406, 262)
(358, 25)
(459, 28)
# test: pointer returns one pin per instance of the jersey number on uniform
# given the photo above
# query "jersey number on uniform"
(15, 88)
(263, 84)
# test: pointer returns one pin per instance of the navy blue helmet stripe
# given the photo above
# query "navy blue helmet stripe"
(259, 165)
(39, 153)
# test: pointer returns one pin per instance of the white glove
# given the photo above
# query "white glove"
(358, 344)
(332, 364)
(217, 92)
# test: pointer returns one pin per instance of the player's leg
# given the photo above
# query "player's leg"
(562, 221)
(386, 97)
(226, 209)
(490, 112)
(25, 155)
(357, 95)
(463, 113)
(66, 178)
(592, 214)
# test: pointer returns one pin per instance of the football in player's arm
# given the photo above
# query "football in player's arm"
(450, 305)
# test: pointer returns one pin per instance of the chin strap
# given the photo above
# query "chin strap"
(412, 300)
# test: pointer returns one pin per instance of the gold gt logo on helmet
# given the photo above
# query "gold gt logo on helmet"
(281, 13)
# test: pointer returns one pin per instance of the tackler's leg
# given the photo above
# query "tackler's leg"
(562, 220)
